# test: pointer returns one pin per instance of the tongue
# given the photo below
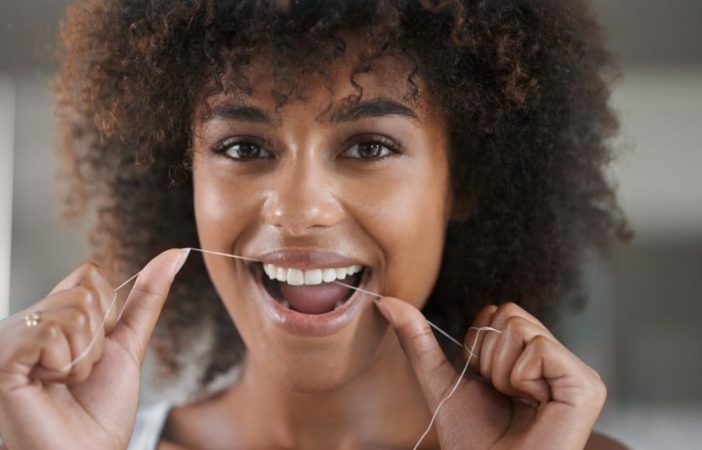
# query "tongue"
(314, 299)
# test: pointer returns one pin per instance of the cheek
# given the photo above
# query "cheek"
(220, 208)
(414, 254)
(408, 220)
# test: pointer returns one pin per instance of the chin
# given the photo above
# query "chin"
(309, 338)
(324, 367)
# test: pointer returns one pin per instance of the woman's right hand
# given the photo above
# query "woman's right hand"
(93, 404)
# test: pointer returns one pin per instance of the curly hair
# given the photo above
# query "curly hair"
(525, 85)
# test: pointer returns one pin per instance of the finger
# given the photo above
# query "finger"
(550, 372)
(474, 339)
(146, 300)
(517, 332)
(527, 374)
(487, 351)
(62, 336)
(54, 357)
(500, 318)
(83, 297)
(86, 350)
(97, 280)
(572, 392)
(508, 310)
(433, 370)
(85, 343)
(78, 311)
(92, 276)
(71, 280)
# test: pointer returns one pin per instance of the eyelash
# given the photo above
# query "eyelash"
(391, 144)
(223, 146)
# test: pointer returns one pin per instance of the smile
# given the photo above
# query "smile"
(309, 302)
(311, 291)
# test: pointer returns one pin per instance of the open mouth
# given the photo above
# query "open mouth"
(310, 291)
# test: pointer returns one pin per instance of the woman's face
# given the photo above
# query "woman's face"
(312, 187)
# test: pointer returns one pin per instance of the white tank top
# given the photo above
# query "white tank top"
(149, 424)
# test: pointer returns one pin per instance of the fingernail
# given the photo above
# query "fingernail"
(183, 257)
(384, 310)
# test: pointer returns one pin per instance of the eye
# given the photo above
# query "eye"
(373, 148)
(242, 150)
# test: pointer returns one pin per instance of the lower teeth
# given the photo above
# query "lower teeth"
(287, 305)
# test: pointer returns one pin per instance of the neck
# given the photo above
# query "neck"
(383, 407)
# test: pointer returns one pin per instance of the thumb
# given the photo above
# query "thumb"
(146, 300)
(433, 370)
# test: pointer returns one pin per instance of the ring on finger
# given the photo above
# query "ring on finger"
(32, 319)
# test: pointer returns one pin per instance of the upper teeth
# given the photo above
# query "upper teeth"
(297, 277)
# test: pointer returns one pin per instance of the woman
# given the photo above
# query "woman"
(448, 155)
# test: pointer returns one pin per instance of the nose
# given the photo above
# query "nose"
(300, 199)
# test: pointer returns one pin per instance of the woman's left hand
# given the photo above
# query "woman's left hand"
(536, 394)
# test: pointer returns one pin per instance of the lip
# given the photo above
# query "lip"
(310, 325)
(306, 259)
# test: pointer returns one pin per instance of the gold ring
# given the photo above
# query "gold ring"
(32, 319)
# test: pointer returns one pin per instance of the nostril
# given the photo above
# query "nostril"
(301, 209)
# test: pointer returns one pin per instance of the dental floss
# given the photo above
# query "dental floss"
(84, 353)
(471, 352)
(471, 355)
(102, 325)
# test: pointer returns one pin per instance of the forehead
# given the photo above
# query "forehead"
(377, 85)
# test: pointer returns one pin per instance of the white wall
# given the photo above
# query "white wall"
(7, 143)
(44, 250)
(660, 175)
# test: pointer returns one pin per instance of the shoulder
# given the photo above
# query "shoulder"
(599, 441)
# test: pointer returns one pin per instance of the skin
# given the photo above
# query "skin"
(93, 404)
(375, 383)
(314, 194)
(303, 192)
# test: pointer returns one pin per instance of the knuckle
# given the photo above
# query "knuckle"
(82, 293)
(486, 310)
(593, 393)
(420, 337)
(540, 343)
(601, 391)
(50, 331)
(97, 274)
(78, 318)
(508, 309)
(144, 290)
(88, 299)
(597, 385)
(91, 268)
(514, 324)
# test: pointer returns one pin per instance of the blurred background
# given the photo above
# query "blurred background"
(642, 328)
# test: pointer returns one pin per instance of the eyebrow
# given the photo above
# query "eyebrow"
(241, 113)
(372, 108)
(356, 111)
